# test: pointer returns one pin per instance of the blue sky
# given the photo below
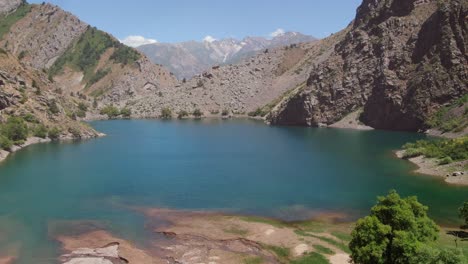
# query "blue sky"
(182, 20)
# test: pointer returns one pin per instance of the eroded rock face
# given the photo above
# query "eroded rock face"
(400, 61)
(7, 6)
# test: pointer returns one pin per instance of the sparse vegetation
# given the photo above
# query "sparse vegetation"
(101, 73)
(53, 107)
(40, 131)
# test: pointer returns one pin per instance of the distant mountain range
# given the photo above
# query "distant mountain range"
(187, 59)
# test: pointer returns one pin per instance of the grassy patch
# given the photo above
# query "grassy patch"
(323, 250)
(253, 260)
(312, 258)
(256, 219)
(9, 20)
(85, 54)
(282, 252)
(328, 240)
(447, 150)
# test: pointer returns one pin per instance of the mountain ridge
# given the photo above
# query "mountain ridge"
(190, 58)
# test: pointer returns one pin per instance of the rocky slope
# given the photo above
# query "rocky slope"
(250, 85)
(79, 58)
(188, 59)
(400, 62)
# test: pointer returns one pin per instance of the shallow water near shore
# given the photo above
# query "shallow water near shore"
(236, 166)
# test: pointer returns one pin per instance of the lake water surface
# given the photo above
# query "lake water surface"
(238, 166)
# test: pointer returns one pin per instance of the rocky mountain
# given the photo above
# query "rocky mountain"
(77, 57)
(399, 62)
(188, 59)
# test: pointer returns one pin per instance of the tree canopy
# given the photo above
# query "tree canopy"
(395, 232)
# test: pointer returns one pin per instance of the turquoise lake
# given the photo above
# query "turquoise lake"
(237, 166)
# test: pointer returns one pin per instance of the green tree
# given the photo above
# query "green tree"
(394, 233)
(463, 211)
(40, 131)
(166, 113)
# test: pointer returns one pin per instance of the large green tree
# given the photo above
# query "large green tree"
(394, 233)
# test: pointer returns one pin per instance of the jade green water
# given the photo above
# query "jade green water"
(237, 166)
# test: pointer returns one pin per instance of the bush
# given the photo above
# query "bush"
(98, 76)
(75, 132)
(182, 114)
(82, 106)
(15, 129)
(40, 131)
(55, 133)
(30, 118)
(125, 55)
(197, 113)
(53, 107)
(5, 143)
(166, 113)
(445, 161)
(126, 112)
(225, 112)
(111, 111)
(80, 113)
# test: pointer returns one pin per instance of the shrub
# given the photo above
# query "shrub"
(82, 106)
(111, 111)
(53, 107)
(55, 133)
(75, 132)
(40, 131)
(30, 118)
(182, 114)
(197, 113)
(80, 113)
(225, 112)
(125, 55)
(166, 113)
(445, 161)
(126, 112)
(15, 129)
(5, 143)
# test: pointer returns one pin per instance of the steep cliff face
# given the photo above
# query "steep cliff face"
(400, 61)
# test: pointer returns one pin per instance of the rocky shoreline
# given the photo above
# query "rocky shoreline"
(454, 173)
(36, 140)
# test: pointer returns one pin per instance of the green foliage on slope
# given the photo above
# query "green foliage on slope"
(6, 22)
(84, 55)
(447, 150)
